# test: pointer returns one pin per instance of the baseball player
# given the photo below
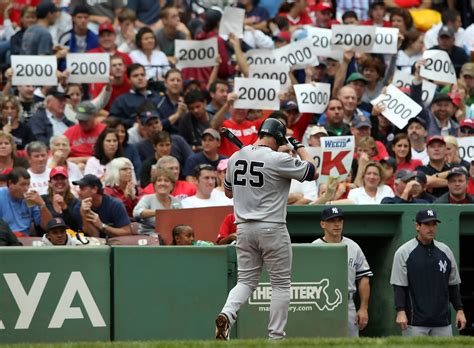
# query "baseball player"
(258, 178)
(332, 223)
(425, 280)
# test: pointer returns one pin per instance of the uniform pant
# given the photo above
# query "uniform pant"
(428, 331)
(353, 328)
(261, 243)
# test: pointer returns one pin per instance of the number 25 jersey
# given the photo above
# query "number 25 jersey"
(260, 179)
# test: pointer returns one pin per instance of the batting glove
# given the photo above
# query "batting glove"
(295, 143)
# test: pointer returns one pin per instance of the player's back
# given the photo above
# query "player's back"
(260, 179)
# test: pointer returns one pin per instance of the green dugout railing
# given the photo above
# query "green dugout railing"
(149, 293)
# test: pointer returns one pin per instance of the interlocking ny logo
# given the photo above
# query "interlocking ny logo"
(443, 266)
(335, 211)
(430, 212)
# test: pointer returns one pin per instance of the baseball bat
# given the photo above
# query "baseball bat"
(226, 133)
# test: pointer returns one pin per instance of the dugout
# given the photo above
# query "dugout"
(380, 230)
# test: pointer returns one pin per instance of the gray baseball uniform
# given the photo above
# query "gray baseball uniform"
(259, 179)
(358, 267)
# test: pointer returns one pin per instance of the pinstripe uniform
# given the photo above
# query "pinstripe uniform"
(259, 179)
(358, 267)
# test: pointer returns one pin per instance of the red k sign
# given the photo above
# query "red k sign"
(337, 154)
(336, 162)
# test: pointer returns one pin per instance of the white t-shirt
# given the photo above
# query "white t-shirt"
(156, 67)
(40, 182)
(93, 166)
(360, 196)
(422, 156)
(218, 198)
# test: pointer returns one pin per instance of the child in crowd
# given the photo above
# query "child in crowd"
(184, 235)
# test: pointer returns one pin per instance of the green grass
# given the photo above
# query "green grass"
(391, 342)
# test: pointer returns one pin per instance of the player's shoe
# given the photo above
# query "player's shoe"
(222, 327)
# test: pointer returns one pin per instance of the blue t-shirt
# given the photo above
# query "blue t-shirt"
(199, 158)
(111, 212)
(16, 214)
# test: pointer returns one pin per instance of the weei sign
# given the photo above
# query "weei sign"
(318, 294)
(66, 299)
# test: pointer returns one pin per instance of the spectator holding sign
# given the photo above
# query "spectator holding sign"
(119, 81)
(441, 116)
(79, 39)
(373, 188)
(446, 42)
(107, 44)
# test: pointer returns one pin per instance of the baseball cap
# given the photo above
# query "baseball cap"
(426, 215)
(392, 162)
(289, 105)
(404, 175)
(467, 122)
(56, 93)
(418, 120)
(420, 177)
(441, 97)
(212, 132)
(468, 69)
(55, 222)
(85, 111)
(406, 90)
(446, 31)
(331, 213)
(106, 27)
(458, 171)
(455, 99)
(355, 76)
(89, 180)
(435, 138)
(317, 130)
(283, 36)
(322, 6)
(60, 170)
(361, 121)
(222, 165)
(146, 116)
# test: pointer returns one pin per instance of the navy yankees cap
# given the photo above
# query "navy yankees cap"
(426, 215)
(331, 213)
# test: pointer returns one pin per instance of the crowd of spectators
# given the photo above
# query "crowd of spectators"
(101, 158)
